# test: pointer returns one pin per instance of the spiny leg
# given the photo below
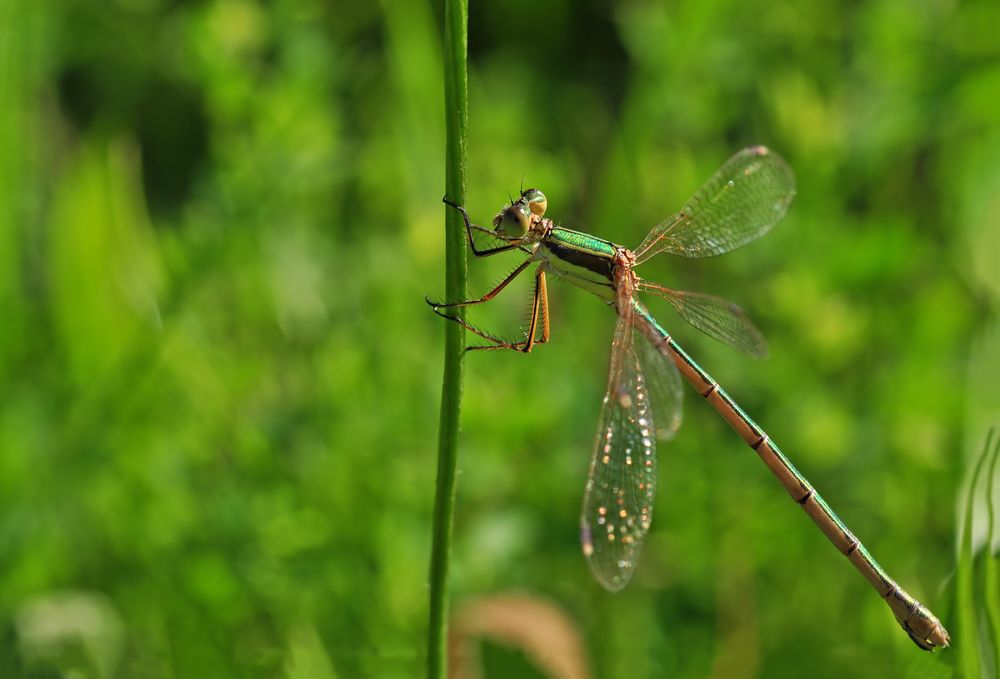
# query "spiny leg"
(497, 342)
(544, 291)
(488, 296)
(540, 291)
(470, 227)
(539, 306)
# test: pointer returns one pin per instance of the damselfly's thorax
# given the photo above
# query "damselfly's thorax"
(624, 262)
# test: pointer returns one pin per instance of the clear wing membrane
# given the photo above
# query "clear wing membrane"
(665, 388)
(740, 203)
(621, 487)
(716, 317)
(744, 199)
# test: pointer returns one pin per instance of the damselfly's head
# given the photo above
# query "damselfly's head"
(515, 220)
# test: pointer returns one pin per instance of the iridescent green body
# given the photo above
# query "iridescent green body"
(642, 402)
(581, 259)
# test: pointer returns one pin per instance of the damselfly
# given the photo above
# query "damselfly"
(741, 202)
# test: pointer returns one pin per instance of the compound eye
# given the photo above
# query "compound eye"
(515, 220)
(536, 201)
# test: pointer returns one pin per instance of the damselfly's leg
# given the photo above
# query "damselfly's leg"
(539, 304)
(470, 227)
(541, 290)
(539, 308)
(488, 296)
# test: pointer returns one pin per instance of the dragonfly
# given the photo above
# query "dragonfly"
(740, 203)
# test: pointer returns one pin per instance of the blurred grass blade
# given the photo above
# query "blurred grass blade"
(967, 637)
(456, 124)
(990, 567)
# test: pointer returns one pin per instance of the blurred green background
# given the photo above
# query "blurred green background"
(220, 382)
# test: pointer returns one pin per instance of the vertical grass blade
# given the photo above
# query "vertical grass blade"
(990, 566)
(456, 15)
(968, 644)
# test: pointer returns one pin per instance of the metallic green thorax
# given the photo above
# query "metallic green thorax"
(580, 259)
(583, 242)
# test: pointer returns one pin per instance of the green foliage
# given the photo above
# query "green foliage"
(221, 383)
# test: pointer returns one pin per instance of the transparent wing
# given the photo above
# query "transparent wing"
(748, 195)
(665, 388)
(716, 317)
(618, 500)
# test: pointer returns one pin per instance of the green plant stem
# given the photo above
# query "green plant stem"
(456, 15)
